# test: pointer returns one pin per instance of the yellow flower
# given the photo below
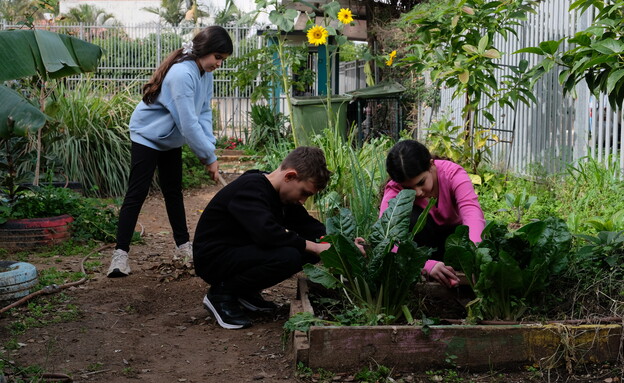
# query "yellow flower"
(317, 35)
(345, 16)
(391, 57)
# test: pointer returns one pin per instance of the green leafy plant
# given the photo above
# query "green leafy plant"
(44, 55)
(13, 150)
(357, 176)
(613, 223)
(446, 140)
(88, 136)
(267, 126)
(604, 250)
(380, 280)
(194, 172)
(454, 42)
(93, 219)
(379, 374)
(519, 204)
(594, 54)
(507, 270)
(303, 322)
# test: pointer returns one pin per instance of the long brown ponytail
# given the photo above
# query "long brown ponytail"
(213, 39)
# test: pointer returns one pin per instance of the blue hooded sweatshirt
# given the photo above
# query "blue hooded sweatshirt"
(182, 113)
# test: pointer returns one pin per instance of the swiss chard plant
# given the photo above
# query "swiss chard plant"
(380, 281)
(508, 270)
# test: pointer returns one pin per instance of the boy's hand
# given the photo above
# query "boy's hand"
(317, 248)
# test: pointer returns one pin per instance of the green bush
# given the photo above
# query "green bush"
(88, 141)
(93, 219)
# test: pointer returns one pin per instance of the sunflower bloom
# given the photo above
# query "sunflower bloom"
(391, 57)
(317, 35)
(345, 16)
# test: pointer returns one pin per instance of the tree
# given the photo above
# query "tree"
(88, 14)
(172, 11)
(595, 54)
(26, 11)
(230, 13)
(455, 44)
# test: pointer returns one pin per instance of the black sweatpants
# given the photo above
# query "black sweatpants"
(143, 164)
(432, 235)
(250, 268)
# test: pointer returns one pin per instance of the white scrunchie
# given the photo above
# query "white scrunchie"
(187, 48)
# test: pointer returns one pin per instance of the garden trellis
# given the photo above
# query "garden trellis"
(558, 129)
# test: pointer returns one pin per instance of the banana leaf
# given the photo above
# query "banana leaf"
(23, 115)
(26, 53)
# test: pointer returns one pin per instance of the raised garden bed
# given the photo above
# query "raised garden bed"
(477, 347)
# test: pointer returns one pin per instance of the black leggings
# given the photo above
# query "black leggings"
(143, 163)
(250, 268)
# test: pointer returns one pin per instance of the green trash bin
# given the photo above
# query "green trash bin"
(310, 115)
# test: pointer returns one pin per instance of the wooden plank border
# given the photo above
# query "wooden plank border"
(476, 347)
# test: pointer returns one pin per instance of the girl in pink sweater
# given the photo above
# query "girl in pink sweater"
(411, 166)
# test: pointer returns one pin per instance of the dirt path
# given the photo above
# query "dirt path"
(152, 325)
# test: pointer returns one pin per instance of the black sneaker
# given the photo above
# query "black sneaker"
(226, 311)
(255, 302)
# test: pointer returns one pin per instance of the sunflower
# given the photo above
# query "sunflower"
(317, 35)
(391, 57)
(345, 16)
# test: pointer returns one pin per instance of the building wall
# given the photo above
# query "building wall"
(125, 11)
(130, 12)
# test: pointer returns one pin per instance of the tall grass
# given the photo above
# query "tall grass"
(358, 175)
(89, 137)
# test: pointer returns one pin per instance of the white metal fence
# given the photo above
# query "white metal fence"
(557, 130)
(132, 53)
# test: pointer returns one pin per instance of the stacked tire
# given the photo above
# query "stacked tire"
(17, 279)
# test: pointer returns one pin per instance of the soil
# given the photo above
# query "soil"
(151, 325)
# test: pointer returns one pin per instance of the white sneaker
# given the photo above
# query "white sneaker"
(119, 264)
(184, 252)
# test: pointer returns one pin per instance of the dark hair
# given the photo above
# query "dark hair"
(407, 159)
(213, 39)
(310, 164)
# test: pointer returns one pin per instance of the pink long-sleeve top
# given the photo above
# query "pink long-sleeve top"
(457, 204)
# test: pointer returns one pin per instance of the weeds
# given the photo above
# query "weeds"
(43, 312)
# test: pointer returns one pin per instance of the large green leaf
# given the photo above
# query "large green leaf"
(25, 53)
(343, 223)
(393, 222)
(26, 117)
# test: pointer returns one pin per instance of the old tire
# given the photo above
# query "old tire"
(29, 233)
(16, 279)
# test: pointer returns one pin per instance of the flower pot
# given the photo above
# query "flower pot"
(29, 233)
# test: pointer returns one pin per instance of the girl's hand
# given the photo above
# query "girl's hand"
(213, 170)
(360, 243)
(445, 275)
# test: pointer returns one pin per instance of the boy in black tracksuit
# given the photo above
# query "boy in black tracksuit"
(255, 233)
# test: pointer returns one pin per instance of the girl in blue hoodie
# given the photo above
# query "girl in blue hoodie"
(175, 109)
